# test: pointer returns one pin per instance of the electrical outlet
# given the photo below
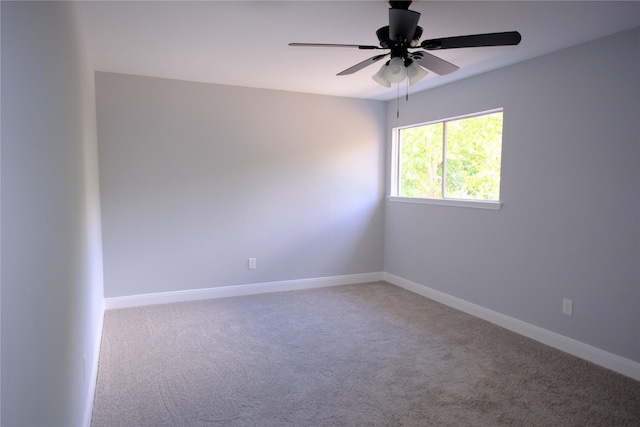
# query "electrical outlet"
(567, 307)
(252, 263)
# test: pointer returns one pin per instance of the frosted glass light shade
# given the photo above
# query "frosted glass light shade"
(395, 71)
(379, 77)
(415, 73)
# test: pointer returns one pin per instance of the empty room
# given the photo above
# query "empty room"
(314, 213)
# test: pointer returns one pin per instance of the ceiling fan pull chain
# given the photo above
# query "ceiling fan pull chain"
(398, 103)
(407, 98)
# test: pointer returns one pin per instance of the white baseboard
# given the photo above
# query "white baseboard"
(93, 370)
(568, 345)
(239, 290)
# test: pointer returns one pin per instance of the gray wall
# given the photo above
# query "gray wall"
(196, 178)
(569, 226)
(52, 294)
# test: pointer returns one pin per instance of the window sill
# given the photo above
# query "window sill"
(477, 204)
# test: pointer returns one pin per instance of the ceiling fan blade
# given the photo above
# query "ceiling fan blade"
(357, 46)
(433, 63)
(402, 24)
(362, 65)
(508, 38)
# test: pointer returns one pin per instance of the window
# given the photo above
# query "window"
(456, 159)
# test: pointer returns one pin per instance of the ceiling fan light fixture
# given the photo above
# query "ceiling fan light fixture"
(395, 72)
(380, 78)
(415, 73)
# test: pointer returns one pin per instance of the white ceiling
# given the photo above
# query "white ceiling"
(245, 43)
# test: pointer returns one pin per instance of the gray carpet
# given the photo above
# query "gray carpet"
(358, 355)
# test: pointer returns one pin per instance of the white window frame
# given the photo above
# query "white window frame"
(444, 201)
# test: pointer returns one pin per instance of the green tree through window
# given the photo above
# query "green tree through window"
(460, 157)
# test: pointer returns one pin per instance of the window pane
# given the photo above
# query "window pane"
(420, 156)
(473, 153)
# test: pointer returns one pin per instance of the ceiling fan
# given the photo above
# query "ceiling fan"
(402, 38)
